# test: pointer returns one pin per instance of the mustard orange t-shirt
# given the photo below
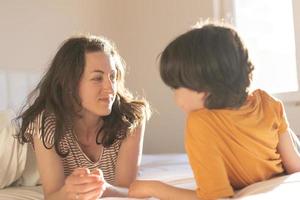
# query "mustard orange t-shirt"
(230, 149)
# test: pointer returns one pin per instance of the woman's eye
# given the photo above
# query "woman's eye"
(98, 78)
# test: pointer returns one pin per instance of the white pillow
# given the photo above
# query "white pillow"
(12, 154)
(30, 175)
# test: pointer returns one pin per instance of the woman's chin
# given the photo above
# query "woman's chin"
(105, 112)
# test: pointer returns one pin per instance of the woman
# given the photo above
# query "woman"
(82, 121)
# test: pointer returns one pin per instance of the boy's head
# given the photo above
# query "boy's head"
(212, 60)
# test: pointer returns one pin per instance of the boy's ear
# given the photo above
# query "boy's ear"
(203, 95)
(206, 94)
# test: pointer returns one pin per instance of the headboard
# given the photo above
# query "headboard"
(15, 85)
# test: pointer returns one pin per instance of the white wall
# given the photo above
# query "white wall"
(293, 108)
(31, 31)
(292, 105)
(142, 28)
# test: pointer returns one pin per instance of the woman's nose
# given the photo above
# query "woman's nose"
(109, 85)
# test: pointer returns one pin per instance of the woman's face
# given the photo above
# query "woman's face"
(98, 84)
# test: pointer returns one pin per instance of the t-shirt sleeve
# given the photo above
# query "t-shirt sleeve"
(44, 131)
(283, 122)
(206, 161)
(275, 109)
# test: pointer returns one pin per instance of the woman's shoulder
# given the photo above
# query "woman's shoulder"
(42, 125)
(45, 120)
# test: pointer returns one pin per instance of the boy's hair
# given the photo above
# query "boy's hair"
(212, 59)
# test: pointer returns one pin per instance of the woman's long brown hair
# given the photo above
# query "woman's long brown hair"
(57, 94)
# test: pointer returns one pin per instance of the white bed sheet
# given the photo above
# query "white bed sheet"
(174, 169)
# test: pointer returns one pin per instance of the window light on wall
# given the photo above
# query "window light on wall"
(267, 28)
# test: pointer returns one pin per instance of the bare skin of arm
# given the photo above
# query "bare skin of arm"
(56, 185)
(289, 153)
(91, 185)
(160, 190)
(126, 172)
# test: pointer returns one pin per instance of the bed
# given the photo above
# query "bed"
(174, 169)
(18, 173)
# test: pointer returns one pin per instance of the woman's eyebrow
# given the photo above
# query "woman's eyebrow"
(98, 71)
(102, 72)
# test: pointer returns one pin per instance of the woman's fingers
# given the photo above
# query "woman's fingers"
(77, 180)
(89, 191)
(98, 172)
(81, 171)
(86, 184)
(93, 194)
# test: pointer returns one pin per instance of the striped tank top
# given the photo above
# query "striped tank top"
(76, 157)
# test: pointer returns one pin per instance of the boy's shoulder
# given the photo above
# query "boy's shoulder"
(264, 101)
(264, 96)
(201, 126)
(199, 114)
(200, 118)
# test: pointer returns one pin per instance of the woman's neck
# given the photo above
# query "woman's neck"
(87, 126)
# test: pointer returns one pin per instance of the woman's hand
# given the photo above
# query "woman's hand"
(83, 184)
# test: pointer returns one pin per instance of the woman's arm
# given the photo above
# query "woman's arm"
(128, 162)
(288, 152)
(56, 185)
(157, 189)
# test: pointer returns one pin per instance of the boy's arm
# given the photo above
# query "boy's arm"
(160, 190)
(288, 152)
